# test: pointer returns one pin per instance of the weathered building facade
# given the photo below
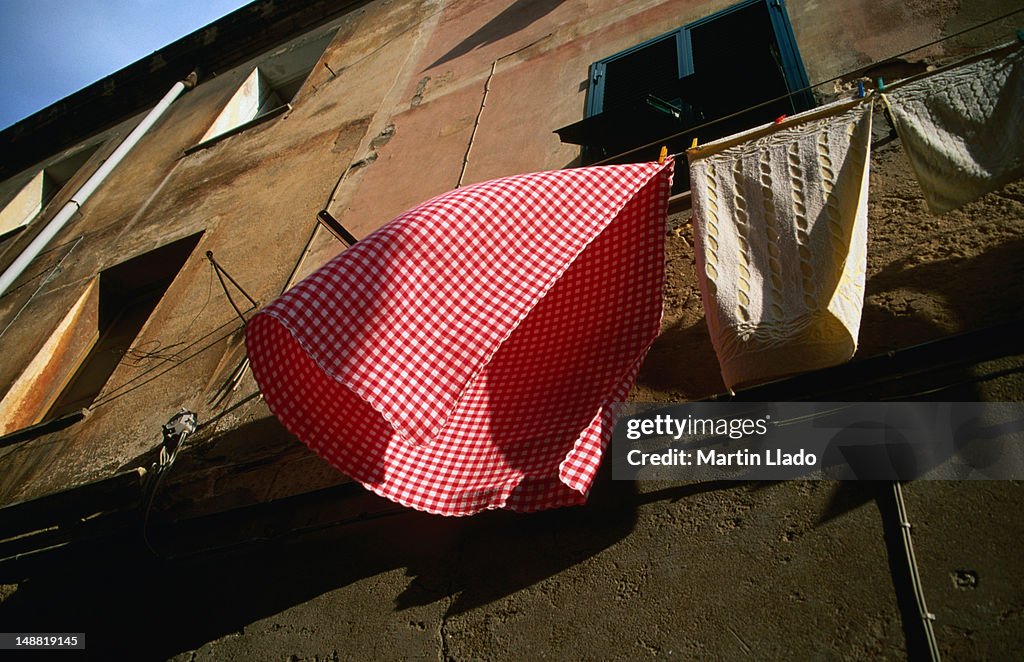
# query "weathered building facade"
(364, 109)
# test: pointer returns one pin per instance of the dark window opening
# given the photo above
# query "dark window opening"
(268, 90)
(652, 70)
(33, 197)
(128, 295)
(739, 62)
(61, 172)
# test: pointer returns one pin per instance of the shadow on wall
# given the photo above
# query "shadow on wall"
(510, 21)
(682, 360)
(978, 291)
(908, 302)
(134, 607)
(960, 284)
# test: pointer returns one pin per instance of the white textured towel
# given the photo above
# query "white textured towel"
(963, 127)
(780, 219)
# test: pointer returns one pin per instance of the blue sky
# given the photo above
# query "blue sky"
(52, 48)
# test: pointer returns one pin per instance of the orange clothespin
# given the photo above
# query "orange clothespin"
(780, 119)
(663, 155)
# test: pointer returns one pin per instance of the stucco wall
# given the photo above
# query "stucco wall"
(405, 96)
(388, 118)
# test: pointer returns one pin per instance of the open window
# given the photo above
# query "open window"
(268, 90)
(737, 68)
(32, 197)
(79, 357)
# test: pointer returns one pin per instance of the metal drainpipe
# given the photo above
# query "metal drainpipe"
(32, 251)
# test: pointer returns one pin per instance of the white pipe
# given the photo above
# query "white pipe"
(32, 251)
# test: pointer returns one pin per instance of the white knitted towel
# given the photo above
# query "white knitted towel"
(963, 127)
(780, 220)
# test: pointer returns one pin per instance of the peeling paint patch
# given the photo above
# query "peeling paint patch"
(964, 579)
(455, 127)
(348, 136)
(417, 97)
(364, 161)
(383, 137)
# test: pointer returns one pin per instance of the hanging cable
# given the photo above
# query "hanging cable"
(221, 274)
(175, 432)
(134, 382)
(927, 618)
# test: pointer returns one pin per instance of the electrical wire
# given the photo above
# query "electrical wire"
(49, 276)
(980, 379)
(927, 618)
(174, 439)
(121, 391)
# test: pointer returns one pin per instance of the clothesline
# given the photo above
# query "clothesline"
(436, 392)
(869, 96)
(843, 76)
(781, 122)
(780, 211)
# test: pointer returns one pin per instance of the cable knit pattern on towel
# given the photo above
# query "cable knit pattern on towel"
(780, 218)
(963, 127)
(465, 356)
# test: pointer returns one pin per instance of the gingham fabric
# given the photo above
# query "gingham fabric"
(464, 356)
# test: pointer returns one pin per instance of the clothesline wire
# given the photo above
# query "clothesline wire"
(849, 74)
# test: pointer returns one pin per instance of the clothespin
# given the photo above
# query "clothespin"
(693, 145)
(881, 84)
(663, 155)
(780, 119)
(860, 89)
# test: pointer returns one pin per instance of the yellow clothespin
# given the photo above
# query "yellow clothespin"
(663, 155)
(693, 145)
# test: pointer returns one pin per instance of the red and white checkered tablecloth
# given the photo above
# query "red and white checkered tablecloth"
(464, 356)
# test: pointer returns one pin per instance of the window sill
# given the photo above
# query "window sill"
(270, 114)
(39, 429)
